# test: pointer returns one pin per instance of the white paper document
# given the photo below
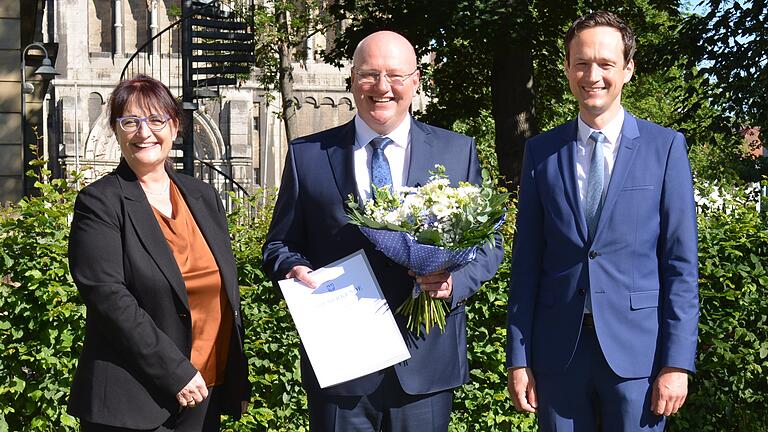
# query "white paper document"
(345, 324)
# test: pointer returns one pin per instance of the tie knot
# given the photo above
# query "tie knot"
(380, 142)
(597, 137)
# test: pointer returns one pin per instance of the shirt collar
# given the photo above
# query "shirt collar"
(611, 131)
(364, 134)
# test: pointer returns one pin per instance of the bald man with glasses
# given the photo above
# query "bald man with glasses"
(382, 145)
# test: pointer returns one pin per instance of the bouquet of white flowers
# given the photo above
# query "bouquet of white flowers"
(431, 228)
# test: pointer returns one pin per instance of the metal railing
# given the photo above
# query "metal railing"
(148, 58)
(229, 190)
(167, 56)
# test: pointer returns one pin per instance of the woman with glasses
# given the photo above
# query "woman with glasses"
(150, 254)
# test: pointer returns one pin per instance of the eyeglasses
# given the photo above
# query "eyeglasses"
(372, 77)
(155, 122)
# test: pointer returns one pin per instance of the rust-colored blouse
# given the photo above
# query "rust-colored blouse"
(208, 303)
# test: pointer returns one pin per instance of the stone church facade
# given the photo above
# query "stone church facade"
(240, 132)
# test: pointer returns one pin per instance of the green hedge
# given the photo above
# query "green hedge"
(41, 318)
(730, 390)
(41, 327)
(278, 402)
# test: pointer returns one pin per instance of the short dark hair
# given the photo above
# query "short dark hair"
(147, 92)
(602, 18)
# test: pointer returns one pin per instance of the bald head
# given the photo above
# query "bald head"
(383, 102)
(388, 42)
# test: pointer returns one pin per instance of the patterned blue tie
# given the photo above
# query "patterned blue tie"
(596, 182)
(381, 175)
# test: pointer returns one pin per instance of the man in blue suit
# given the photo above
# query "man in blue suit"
(603, 299)
(310, 229)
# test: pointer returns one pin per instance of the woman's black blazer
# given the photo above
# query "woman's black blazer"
(137, 346)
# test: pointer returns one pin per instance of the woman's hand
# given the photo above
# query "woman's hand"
(193, 393)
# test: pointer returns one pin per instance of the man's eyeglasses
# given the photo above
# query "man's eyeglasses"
(372, 77)
(155, 122)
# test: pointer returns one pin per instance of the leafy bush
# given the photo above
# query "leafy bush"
(41, 317)
(484, 403)
(42, 324)
(730, 390)
(278, 402)
(483, 129)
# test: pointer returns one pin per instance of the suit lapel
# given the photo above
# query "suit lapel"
(143, 220)
(341, 156)
(422, 155)
(624, 159)
(567, 161)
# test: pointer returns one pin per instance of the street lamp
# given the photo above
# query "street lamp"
(47, 72)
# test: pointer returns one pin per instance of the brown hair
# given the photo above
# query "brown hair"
(148, 93)
(602, 18)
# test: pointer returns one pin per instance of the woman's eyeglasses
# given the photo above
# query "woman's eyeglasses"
(155, 122)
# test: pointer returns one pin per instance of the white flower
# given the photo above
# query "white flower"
(435, 206)
(441, 210)
(413, 201)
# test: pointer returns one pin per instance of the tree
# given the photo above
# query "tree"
(477, 47)
(283, 28)
(503, 57)
(729, 60)
(732, 53)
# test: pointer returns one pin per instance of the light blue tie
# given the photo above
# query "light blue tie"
(595, 183)
(381, 175)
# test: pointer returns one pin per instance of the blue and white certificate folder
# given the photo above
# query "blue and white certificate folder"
(345, 324)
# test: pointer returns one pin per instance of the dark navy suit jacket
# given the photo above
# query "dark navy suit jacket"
(310, 227)
(641, 268)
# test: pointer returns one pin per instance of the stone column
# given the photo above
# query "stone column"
(154, 58)
(118, 26)
(152, 5)
(240, 149)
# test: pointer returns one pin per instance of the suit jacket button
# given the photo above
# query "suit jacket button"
(593, 254)
(582, 291)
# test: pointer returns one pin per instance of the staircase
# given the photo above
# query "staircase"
(215, 50)
(221, 47)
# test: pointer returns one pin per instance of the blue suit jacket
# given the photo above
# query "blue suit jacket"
(641, 267)
(310, 227)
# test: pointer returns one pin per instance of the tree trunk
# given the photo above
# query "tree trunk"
(512, 108)
(285, 54)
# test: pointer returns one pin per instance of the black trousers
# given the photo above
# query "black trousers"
(205, 417)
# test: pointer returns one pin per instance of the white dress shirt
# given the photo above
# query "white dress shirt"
(584, 149)
(397, 153)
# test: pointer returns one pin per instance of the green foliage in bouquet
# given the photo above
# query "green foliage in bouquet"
(424, 310)
(436, 214)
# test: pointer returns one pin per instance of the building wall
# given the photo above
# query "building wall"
(241, 132)
(10, 101)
